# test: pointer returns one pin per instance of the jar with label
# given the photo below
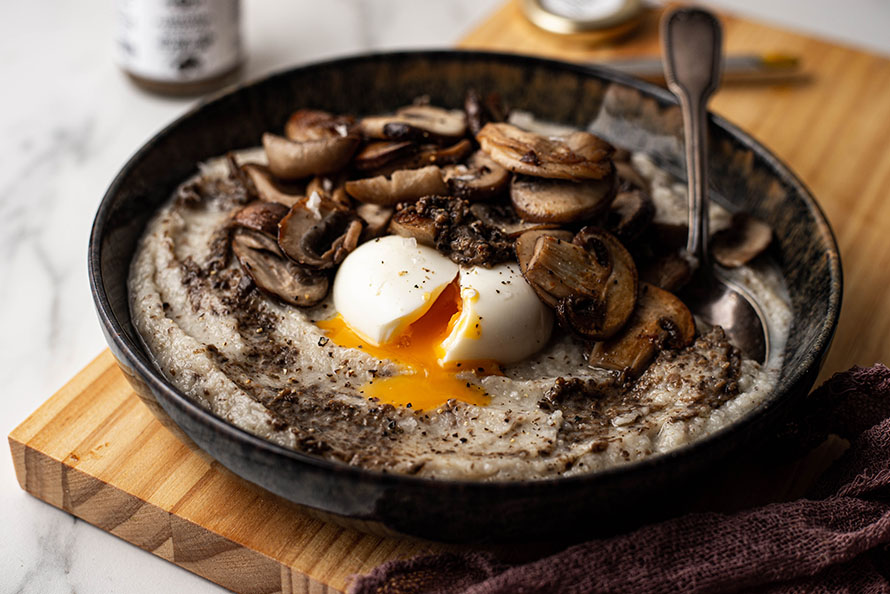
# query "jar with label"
(179, 47)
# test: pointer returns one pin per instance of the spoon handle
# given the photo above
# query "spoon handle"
(692, 43)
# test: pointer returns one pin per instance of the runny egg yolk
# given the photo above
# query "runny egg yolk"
(426, 383)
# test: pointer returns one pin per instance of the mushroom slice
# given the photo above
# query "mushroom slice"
(417, 123)
(261, 216)
(504, 218)
(745, 239)
(270, 189)
(318, 235)
(628, 175)
(480, 179)
(407, 222)
(481, 112)
(659, 321)
(560, 269)
(406, 185)
(560, 201)
(429, 154)
(275, 274)
(525, 245)
(630, 214)
(670, 272)
(312, 124)
(375, 155)
(622, 285)
(579, 155)
(296, 160)
(330, 190)
(376, 219)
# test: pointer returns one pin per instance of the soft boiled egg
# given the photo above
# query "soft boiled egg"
(408, 303)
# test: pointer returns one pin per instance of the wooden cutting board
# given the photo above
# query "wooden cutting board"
(96, 452)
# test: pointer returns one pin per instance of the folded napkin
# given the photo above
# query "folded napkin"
(834, 540)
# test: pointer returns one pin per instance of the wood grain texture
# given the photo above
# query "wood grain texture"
(832, 131)
(95, 451)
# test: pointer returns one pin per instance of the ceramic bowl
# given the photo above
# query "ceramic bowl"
(630, 113)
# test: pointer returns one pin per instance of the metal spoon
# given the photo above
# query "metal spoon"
(692, 45)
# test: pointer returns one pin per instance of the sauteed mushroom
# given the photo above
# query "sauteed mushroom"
(417, 123)
(376, 219)
(525, 246)
(579, 155)
(295, 160)
(559, 269)
(745, 239)
(270, 189)
(659, 321)
(275, 274)
(375, 155)
(560, 201)
(330, 190)
(261, 216)
(630, 214)
(318, 235)
(480, 179)
(310, 124)
(406, 185)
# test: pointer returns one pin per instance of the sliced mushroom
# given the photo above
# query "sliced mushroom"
(296, 160)
(479, 180)
(407, 222)
(428, 154)
(402, 186)
(275, 274)
(659, 321)
(270, 189)
(375, 155)
(560, 269)
(376, 219)
(417, 123)
(319, 235)
(311, 124)
(525, 245)
(329, 189)
(481, 112)
(631, 212)
(560, 201)
(504, 218)
(579, 155)
(261, 216)
(670, 272)
(628, 175)
(745, 239)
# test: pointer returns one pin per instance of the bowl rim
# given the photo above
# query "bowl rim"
(158, 383)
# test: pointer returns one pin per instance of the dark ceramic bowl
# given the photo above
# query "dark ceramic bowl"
(625, 111)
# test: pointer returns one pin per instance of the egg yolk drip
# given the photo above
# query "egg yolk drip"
(426, 383)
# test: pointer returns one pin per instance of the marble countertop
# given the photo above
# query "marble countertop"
(70, 120)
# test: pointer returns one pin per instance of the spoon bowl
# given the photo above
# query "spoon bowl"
(692, 43)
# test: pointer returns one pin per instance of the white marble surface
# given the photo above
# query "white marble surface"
(69, 122)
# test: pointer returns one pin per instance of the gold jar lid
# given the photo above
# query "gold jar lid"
(587, 19)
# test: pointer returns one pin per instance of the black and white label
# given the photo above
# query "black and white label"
(178, 40)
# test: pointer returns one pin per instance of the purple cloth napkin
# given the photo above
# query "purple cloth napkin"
(834, 540)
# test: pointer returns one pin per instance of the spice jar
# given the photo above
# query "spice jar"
(179, 47)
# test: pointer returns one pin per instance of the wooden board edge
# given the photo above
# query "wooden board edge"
(174, 539)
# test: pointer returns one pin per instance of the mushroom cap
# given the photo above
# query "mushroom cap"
(270, 189)
(479, 180)
(525, 246)
(417, 123)
(261, 216)
(296, 160)
(561, 201)
(318, 236)
(660, 320)
(745, 239)
(630, 213)
(406, 185)
(313, 124)
(376, 219)
(579, 155)
(275, 274)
